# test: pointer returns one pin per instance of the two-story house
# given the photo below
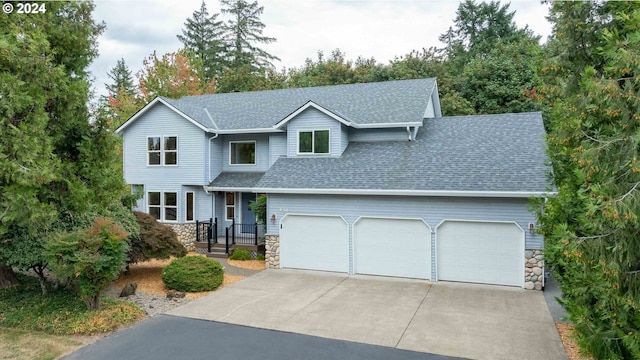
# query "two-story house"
(360, 179)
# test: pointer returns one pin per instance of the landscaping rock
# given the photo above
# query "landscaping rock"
(129, 289)
(173, 294)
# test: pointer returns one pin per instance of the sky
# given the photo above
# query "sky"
(382, 29)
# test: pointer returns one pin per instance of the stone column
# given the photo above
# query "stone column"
(186, 234)
(272, 251)
(533, 265)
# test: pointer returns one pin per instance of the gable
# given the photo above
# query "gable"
(154, 103)
(312, 119)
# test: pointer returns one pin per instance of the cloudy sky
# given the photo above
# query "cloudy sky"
(370, 28)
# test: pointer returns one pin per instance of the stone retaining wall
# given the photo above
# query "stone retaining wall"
(186, 234)
(533, 269)
(272, 251)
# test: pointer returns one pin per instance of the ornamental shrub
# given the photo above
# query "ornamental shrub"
(192, 274)
(240, 254)
(155, 241)
(89, 258)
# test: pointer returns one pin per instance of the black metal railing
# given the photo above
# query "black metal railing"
(243, 234)
(207, 231)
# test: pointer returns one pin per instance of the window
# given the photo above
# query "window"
(153, 145)
(242, 153)
(171, 150)
(162, 150)
(170, 206)
(163, 206)
(190, 206)
(154, 204)
(231, 206)
(313, 142)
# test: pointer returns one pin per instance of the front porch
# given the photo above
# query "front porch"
(220, 241)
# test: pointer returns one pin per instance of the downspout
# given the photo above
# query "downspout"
(409, 133)
(213, 198)
(415, 132)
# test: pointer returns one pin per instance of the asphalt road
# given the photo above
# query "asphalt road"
(171, 337)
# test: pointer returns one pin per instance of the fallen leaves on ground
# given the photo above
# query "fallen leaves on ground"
(570, 346)
(148, 275)
(248, 264)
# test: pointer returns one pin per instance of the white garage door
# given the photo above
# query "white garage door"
(478, 252)
(314, 243)
(392, 247)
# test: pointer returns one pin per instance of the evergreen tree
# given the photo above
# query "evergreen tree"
(122, 79)
(58, 167)
(244, 34)
(203, 35)
(592, 86)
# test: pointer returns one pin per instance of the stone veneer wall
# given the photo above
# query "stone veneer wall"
(272, 251)
(186, 234)
(533, 269)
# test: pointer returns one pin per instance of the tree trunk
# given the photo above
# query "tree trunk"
(7, 277)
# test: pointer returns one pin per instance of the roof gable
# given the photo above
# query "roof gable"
(311, 104)
(157, 100)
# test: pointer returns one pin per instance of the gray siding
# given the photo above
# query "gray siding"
(432, 209)
(215, 159)
(277, 147)
(159, 121)
(262, 153)
(312, 119)
(366, 135)
(344, 138)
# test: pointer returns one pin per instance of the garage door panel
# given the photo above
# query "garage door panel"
(490, 253)
(392, 247)
(314, 243)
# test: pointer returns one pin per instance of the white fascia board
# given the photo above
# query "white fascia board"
(388, 125)
(317, 107)
(246, 131)
(228, 189)
(392, 192)
(149, 105)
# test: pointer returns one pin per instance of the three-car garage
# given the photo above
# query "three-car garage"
(489, 252)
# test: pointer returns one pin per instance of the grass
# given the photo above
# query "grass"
(22, 344)
(60, 312)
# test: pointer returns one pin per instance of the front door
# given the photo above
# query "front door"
(248, 217)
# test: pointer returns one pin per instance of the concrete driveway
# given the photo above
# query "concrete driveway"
(464, 320)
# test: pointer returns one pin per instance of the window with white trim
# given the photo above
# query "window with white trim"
(230, 205)
(191, 206)
(162, 150)
(163, 205)
(242, 152)
(313, 142)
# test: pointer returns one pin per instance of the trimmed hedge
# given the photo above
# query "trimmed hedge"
(192, 274)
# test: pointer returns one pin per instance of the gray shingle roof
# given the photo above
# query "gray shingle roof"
(503, 152)
(236, 180)
(369, 103)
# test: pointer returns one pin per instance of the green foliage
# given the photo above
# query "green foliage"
(241, 254)
(155, 241)
(591, 228)
(89, 258)
(60, 311)
(203, 35)
(260, 257)
(243, 33)
(259, 207)
(122, 79)
(192, 274)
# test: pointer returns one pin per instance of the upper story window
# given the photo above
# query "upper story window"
(162, 150)
(242, 152)
(313, 142)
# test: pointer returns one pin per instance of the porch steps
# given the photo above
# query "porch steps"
(217, 250)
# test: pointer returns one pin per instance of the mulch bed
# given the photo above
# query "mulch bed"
(570, 346)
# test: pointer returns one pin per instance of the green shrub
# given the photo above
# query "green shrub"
(260, 257)
(192, 274)
(241, 254)
(89, 258)
(155, 241)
